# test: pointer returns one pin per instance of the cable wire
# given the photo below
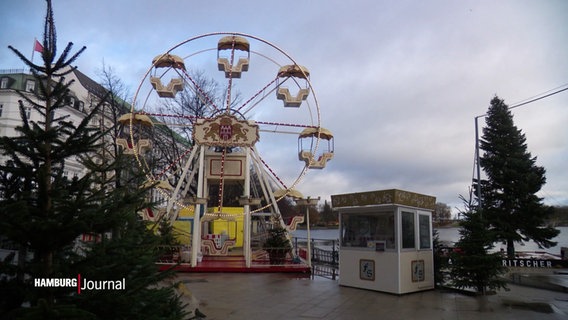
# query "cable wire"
(539, 97)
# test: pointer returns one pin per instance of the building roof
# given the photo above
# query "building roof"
(382, 197)
(91, 85)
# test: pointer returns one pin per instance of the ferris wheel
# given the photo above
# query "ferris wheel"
(233, 112)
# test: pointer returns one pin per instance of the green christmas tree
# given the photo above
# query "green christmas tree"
(472, 265)
(508, 195)
(43, 213)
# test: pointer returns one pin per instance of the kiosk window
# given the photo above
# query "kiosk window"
(373, 231)
(408, 233)
(424, 229)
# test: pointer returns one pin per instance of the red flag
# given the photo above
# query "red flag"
(37, 46)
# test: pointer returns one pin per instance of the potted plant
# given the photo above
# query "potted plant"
(277, 245)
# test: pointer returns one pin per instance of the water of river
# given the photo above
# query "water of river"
(450, 235)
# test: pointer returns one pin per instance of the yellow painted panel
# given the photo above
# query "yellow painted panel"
(187, 212)
(182, 230)
(234, 229)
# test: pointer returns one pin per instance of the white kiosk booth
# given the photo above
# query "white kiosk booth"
(386, 240)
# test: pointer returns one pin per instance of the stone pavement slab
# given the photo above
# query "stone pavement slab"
(285, 296)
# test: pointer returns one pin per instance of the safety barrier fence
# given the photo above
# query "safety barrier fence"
(324, 255)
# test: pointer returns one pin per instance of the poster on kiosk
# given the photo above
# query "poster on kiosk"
(386, 240)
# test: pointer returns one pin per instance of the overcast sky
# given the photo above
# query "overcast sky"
(398, 82)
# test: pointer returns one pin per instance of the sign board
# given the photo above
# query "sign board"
(367, 269)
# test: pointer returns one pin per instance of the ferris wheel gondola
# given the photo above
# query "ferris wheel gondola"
(229, 44)
(140, 127)
(306, 140)
(296, 74)
(175, 84)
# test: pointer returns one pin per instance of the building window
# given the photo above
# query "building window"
(4, 83)
(1, 109)
(408, 233)
(70, 101)
(30, 85)
(81, 106)
(28, 112)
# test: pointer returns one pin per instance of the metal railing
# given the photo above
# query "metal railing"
(324, 255)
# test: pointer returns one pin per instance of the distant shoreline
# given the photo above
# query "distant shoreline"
(300, 227)
(453, 224)
(456, 224)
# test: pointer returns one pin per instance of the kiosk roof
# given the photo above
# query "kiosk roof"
(390, 196)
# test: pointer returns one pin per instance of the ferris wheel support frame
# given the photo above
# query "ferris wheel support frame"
(173, 199)
(247, 217)
(196, 234)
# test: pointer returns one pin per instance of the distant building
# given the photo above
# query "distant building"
(85, 95)
(13, 80)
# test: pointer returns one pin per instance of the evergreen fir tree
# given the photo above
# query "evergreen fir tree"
(472, 264)
(508, 195)
(167, 233)
(440, 260)
(44, 213)
(37, 211)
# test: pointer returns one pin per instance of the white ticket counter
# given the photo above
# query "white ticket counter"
(386, 240)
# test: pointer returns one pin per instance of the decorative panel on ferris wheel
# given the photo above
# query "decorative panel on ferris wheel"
(225, 131)
(231, 166)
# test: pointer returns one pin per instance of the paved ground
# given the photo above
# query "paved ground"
(283, 296)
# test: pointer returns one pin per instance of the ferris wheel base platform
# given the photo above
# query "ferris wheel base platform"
(232, 264)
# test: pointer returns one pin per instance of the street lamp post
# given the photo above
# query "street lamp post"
(478, 165)
(308, 202)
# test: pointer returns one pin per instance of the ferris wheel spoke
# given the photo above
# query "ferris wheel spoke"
(169, 115)
(262, 93)
(264, 180)
(267, 125)
(270, 170)
(173, 163)
(221, 180)
(230, 77)
(200, 92)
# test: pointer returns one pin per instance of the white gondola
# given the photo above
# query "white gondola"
(306, 142)
(141, 130)
(158, 184)
(175, 85)
(297, 74)
(225, 63)
(288, 192)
